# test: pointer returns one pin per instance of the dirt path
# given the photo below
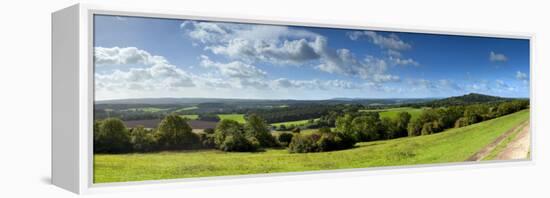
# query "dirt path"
(487, 149)
(518, 148)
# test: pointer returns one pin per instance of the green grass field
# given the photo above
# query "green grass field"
(237, 117)
(393, 112)
(289, 123)
(453, 145)
(191, 117)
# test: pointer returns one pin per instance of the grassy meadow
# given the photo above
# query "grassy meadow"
(452, 145)
(237, 117)
(289, 123)
(393, 112)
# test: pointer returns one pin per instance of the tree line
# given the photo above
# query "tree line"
(353, 127)
(174, 133)
(350, 126)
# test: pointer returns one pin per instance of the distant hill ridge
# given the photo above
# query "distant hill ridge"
(471, 98)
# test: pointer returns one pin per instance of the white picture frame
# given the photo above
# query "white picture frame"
(72, 101)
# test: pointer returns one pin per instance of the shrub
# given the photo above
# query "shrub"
(207, 140)
(303, 144)
(296, 130)
(239, 143)
(325, 130)
(285, 138)
(320, 142)
(461, 122)
(111, 136)
(209, 131)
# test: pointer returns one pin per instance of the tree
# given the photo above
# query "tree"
(285, 138)
(367, 127)
(209, 131)
(226, 128)
(257, 127)
(401, 123)
(111, 137)
(142, 139)
(230, 136)
(427, 129)
(414, 128)
(174, 133)
(344, 125)
(390, 128)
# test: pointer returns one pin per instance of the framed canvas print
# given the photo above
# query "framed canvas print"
(141, 97)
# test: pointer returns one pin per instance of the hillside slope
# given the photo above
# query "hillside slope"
(453, 145)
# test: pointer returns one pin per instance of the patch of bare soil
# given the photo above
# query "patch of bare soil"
(518, 148)
(487, 149)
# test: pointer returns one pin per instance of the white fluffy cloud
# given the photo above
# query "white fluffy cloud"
(249, 44)
(283, 83)
(235, 69)
(402, 61)
(392, 41)
(158, 73)
(127, 55)
(496, 57)
(442, 85)
(276, 44)
(342, 61)
(521, 76)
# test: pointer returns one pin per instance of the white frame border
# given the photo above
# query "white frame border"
(86, 101)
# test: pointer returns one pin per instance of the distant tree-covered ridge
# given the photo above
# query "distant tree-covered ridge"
(472, 98)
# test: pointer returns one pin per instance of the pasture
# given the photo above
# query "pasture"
(452, 145)
(393, 112)
(237, 117)
(290, 123)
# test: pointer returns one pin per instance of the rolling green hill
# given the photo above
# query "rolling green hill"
(453, 145)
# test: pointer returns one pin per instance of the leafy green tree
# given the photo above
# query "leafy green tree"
(414, 128)
(227, 128)
(111, 137)
(344, 124)
(142, 139)
(174, 133)
(401, 124)
(209, 131)
(390, 127)
(257, 127)
(427, 129)
(367, 127)
(285, 138)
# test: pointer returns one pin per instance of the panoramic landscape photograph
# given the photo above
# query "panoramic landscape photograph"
(176, 98)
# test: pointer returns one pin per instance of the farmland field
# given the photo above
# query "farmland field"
(393, 112)
(237, 117)
(191, 117)
(289, 123)
(453, 145)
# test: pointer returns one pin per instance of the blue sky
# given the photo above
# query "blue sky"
(150, 57)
